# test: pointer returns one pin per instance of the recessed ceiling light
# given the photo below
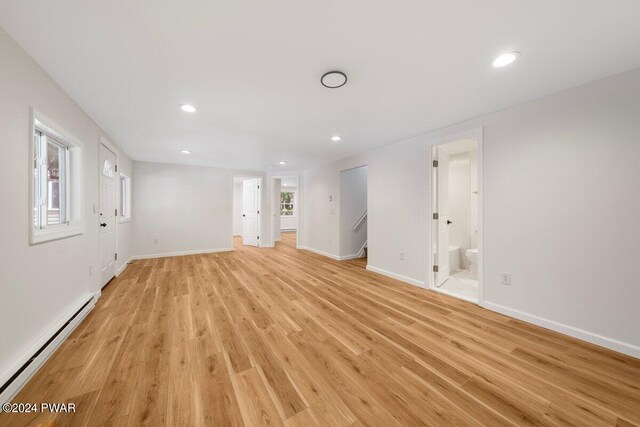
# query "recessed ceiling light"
(333, 79)
(505, 59)
(188, 108)
(282, 162)
(336, 138)
(186, 151)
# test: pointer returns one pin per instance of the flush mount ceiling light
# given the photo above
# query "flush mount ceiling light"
(188, 108)
(505, 59)
(186, 151)
(333, 79)
(336, 138)
(282, 162)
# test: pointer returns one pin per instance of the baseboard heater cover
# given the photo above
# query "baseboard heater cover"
(13, 385)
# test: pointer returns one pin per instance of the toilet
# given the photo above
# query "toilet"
(472, 256)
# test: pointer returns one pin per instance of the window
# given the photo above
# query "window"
(50, 181)
(53, 204)
(287, 203)
(125, 198)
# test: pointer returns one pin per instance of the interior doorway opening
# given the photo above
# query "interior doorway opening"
(455, 210)
(286, 209)
(246, 210)
(353, 213)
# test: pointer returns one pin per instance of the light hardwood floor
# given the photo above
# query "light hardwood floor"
(286, 337)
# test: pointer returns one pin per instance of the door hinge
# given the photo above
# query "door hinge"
(258, 212)
(116, 212)
(116, 257)
(435, 268)
(258, 187)
(435, 163)
(258, 237)
(116, 168)
(436, 216)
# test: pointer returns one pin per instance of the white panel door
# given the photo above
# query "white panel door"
(250, 211)
(441, 189)
(107, 214)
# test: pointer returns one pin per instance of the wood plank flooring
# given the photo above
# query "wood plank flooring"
(286, 337)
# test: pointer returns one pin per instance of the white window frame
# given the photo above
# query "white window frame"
(125, 198)
(72, 177)
(295, 203)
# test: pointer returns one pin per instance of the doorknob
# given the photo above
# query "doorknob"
(103, 224)
(449, 222)
(243, 215)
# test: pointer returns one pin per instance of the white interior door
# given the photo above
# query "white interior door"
(441, 191)
(250, 211)
(107, 215)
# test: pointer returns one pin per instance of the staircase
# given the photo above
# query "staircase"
(364, 249)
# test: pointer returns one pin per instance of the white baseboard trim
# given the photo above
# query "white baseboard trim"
(124, 266)
(352, 256)
(400, 277)
(183, 253)
(19, 382)
(319, 252)
(612, 344)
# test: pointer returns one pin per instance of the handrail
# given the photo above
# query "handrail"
(364, 215)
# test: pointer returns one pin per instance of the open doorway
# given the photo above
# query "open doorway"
(246, 210)
(353, 213)
(286, 212)
(455, 209)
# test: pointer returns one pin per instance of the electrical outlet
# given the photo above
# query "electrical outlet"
(90, 270)
(329, 241)
(506, 279)
(401, 256)
(155, 241)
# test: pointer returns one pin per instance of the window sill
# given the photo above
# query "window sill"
(41, 236)
(123, 220)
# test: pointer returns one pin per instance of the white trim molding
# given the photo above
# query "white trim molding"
(319, 252)
(612, 344)
(124, 266)
(399, 277)
(183, 253)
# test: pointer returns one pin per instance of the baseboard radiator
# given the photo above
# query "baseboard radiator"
(23, 374)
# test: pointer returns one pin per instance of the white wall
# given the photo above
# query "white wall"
(181, 209)
(277, 220)
(353, 204)
(40, 284)
(237, 207)
(184, 209)
(561, 203)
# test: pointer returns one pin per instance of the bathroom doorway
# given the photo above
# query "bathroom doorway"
(455, 211)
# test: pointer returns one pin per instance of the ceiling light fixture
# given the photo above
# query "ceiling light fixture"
(284, 185)
(336, 138)
(333, 79)
(505, 59)
(186, 151)
(188, 108)
(282, 162)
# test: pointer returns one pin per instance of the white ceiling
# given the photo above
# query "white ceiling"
(252, 68)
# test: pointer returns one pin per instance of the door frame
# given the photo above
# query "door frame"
(477, 133)
(260, 207)
(298, 205)
(108, 145)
